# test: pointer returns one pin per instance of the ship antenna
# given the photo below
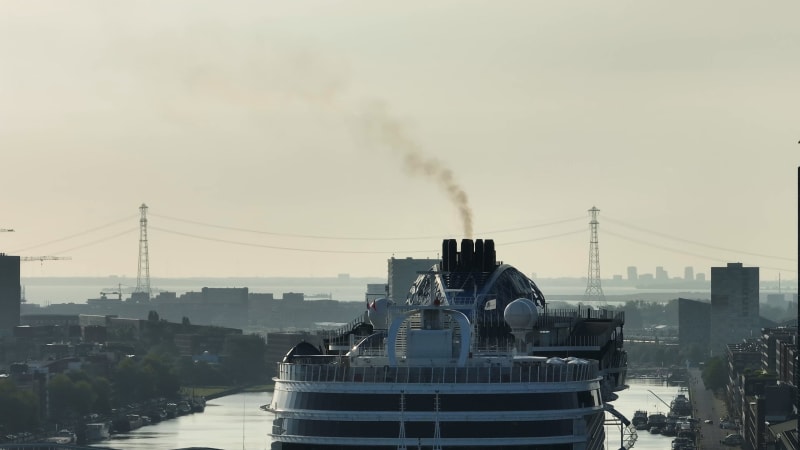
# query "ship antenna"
(437, 435)
(402, 438)
(593, 289)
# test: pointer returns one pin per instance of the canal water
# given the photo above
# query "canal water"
(236, 422)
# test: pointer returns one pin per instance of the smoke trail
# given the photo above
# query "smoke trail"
(193, 78)
(385, 129)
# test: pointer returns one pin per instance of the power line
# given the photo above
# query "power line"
(699, 243)
(670, 249)
(88, 244)
(541, 238)
(74, 235)
(275, 247)
(346, 238)
(314, 250)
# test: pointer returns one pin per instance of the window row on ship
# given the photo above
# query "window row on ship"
(335, 401)
(454, 430)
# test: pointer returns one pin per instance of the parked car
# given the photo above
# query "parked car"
(732, 439)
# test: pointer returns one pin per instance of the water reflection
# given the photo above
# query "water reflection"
(229, 422)
(638, 396)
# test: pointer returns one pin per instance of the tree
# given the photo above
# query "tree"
(715, 373)
(19, 409)
(102, 389)
(244, 358)
(164, 374)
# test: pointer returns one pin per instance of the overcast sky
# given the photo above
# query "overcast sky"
(311, 138)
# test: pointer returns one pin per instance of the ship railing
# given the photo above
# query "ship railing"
(551, 316)
(340, 372)
(575, 341)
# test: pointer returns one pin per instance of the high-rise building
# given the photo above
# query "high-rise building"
(688, 273)
(403, 272)
(633, 274)
(694, 318)
(734, 305)
(661, 274)
(10, 294)
(700, 277)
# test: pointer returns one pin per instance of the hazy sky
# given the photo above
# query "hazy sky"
(311, 138)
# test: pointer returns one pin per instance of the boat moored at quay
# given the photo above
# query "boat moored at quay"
(472, 359)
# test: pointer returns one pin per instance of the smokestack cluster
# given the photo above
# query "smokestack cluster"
(386, 130)
(478, 255)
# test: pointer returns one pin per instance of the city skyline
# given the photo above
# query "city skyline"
(312, 139)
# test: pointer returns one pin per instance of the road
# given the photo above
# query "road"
(707, 406)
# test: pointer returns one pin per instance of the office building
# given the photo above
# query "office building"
(688, 273)
(403, 272)
(734, 305)
(632, 273)
(10, 294)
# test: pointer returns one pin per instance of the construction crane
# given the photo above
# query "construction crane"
(44, 258)
(118, 292)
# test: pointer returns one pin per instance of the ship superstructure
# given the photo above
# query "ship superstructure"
(472, 359)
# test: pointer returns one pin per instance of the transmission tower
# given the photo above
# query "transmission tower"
(593, 289)
(143, 276)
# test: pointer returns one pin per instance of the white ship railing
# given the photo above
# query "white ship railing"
(522, 373)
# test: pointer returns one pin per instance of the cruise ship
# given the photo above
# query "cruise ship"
(472, 358)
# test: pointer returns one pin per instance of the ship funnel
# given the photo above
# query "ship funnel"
(475, 256)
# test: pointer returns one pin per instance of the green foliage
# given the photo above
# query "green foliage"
(715, 373)
(102, 389)
(200, 373)
(164, 375)
(70, 398)
(19, 408)
(153, 376)
(244, 361)
(694, 352)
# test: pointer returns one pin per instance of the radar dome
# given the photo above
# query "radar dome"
(520, 314)
(377, 312)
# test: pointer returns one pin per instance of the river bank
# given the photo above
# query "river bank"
(213, 392)
(231, 421)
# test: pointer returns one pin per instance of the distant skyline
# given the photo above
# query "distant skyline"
(315, 138)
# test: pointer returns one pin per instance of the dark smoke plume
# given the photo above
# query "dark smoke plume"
(385, 129)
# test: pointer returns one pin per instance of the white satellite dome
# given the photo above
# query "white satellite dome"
(521, 314)
(377, 312)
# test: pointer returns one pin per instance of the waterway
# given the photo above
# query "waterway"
(236, 421)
